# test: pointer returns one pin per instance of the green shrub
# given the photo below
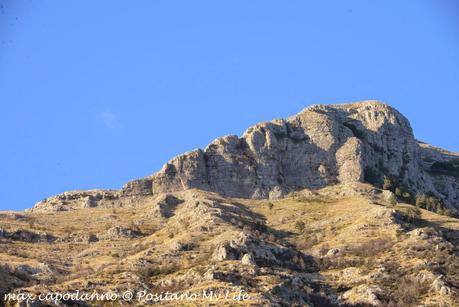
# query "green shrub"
(371, 248)
(412, 214)
(392, 199)
(421, 199)
(151, 271)
(409, 292)
(431, 203)
(387, 183)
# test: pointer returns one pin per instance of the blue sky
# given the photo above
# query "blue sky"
(95, 93)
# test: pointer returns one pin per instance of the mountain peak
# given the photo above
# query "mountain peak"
(322, 145)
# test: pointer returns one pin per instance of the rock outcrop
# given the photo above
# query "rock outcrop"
(320, 146)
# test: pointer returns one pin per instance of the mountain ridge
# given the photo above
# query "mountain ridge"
(321, 145)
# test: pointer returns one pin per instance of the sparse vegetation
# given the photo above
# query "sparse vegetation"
(155, 271)
(411, 214)
(432, 203)
(408, 292)
(371, 248)
(349, 238)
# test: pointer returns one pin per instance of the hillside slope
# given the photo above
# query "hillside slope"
(339, 246)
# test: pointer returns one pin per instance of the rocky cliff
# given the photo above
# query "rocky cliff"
(320, 146)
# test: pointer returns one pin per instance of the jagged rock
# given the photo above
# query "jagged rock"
(165, 205)
(333, 252)
(3, 233)
(139, 187)
(14, 216)
(262, 252)
(387, 195)
(181, 246)
(26, 235)
(120, 232)
(213, 274)
(79, 238)
(76, 200)
(223, 252)
(440, 286)
(248, 259)
(290, 296)
(321, 145)
(363, 294)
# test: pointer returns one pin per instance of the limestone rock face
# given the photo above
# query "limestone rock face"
(320, 146)
(76, 200)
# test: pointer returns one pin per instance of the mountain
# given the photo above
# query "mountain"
(323, 145)
(338, 205)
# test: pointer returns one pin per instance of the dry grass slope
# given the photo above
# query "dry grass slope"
(316, 249)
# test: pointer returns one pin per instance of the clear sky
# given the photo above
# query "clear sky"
(95, 93)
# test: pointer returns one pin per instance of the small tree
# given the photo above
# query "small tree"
(392, 200)
(412, 214)
(421, 200)
(300, 225)
(433, 204)
(387, 184)
(398, 192)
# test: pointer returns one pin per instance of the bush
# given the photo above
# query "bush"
(392, 199)
(421, 199)
(150, 271)
(387, 184)
(409, 292)
(270, 206)
(371, 248)
(412, 214)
